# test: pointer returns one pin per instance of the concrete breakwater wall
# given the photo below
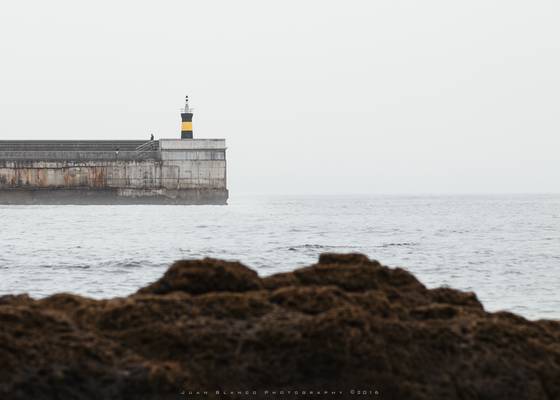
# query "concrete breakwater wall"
(166, 171)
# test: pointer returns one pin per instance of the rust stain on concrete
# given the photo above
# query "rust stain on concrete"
(97, 177)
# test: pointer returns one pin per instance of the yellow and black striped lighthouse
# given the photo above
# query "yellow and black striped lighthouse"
(186, 121)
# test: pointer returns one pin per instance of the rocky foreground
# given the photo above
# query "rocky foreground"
(343, 325)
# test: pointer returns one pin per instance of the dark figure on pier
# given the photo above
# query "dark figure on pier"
(152, 136)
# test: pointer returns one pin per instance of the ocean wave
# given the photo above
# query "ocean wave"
(399, 244)
(319, 247)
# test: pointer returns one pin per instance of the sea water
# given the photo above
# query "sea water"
(505, 248)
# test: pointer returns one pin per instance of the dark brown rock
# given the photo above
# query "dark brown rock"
(204, 276)
(346, 323)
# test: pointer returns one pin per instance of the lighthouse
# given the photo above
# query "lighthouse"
(186, 121)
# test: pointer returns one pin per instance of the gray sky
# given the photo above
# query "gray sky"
(312, 96)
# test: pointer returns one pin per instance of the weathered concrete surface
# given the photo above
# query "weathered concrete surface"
(196, 144)
(175, 174)
(87, 196)
(76, 155)
(344, 324)
(71, 145)
(187, 172)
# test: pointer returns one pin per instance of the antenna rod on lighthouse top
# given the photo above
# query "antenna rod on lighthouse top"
(187, 109)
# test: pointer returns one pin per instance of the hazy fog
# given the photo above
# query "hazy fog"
(312, 96)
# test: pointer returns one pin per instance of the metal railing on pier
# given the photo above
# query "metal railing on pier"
(147, 150)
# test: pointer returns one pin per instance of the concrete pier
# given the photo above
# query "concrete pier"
(167, 171)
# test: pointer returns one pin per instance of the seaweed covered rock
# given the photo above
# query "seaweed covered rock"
(343, 326)
(205, 276)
